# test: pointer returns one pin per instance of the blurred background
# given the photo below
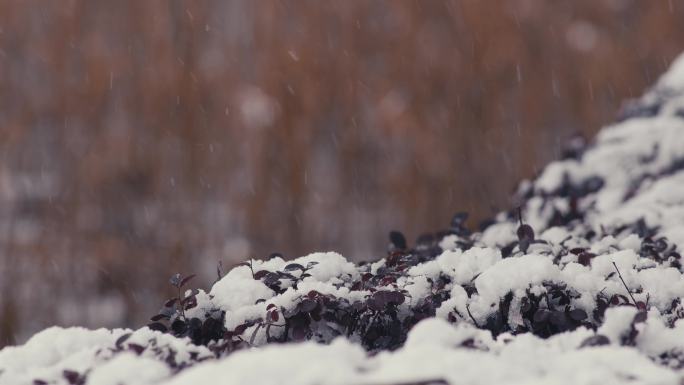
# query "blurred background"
(142, 138)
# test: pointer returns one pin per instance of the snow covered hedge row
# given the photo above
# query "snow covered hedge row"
(587, 273)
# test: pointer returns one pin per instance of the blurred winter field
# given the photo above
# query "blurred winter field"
(138, 139)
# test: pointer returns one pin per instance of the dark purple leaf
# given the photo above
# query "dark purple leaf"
(195, 323)
(379, 300)
(159, 317)
(299, 332)
(525, 232)
(558, 318)
(122, 339)
(596, 340)
(525, 305)
(584, 258)
(307, 305)
(397, 240)
(271, 279)
(294, 266)
(158, 326)
(71, 376)
(660, 245)
(577, 315)
(541, 315)
(187, 279)
(260, 274)
(175, 280)
(396, 298)
(241, 328)
(170, 302)
(138, 349)
(178, 326)
(282, 274)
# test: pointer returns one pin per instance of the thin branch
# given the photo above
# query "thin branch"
(623, 282)
(251, 340)
(471, 316)
(180, 303)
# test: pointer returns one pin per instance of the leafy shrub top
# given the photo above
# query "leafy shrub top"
(586, 271)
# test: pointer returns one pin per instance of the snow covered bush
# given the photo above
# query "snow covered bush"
(586, 273)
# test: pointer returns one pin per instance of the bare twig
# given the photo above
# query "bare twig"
(251, 268)
(623, 282)
(180, 302)
(435, 381)
(219, 270)
(471, 316)
(254, 334)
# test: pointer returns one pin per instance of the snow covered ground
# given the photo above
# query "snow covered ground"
(583, 285)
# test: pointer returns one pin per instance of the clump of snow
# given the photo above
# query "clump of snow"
(464, 266)
(435, 332)
(133, 357)
(50, 352)
(513, 274)
(128, 368)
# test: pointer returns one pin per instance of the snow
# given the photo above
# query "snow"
(434, 350)
(51, 351)
(238, 289)
(618, 322)
(513, 274)
(458, 299)
(608, 227)
(674, 77)
(128, 368)
(54, 350)
(464, 266)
